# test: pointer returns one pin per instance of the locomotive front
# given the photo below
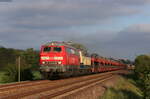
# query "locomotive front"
(52, 58)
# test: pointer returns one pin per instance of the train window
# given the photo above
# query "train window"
(47, 49)
(68, 50)
(57, 49)
(71, 51)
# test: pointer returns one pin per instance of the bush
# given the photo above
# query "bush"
(36, 75)
(142, 70)
(10, 59)
(10, 73)
(26, 74)
(4, 78)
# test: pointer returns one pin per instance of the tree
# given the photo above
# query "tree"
(95, 55)
(7, 56)
(126, 61)
(142, 70)
(142, 64)
(9, 64)
(31, 57)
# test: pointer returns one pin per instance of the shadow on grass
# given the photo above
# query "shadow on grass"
(130, 94)
(132, 77)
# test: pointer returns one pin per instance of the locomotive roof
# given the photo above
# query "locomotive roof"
(58, 44)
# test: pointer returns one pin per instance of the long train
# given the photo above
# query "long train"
(64, 60)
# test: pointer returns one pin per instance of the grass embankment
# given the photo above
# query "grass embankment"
(126, 88)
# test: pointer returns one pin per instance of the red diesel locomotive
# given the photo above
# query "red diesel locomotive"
(62, 59)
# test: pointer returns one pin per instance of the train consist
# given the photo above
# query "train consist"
(64, 60)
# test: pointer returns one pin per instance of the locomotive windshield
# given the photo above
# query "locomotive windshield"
(57, 49)
(52, 49)
(47, 49)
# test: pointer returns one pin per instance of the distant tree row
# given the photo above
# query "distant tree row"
(142, 71)
(126, 61)
(96, 55)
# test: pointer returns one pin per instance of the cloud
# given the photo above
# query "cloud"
(134, 35)
(131, 41)
(30, 23)
(62, 13)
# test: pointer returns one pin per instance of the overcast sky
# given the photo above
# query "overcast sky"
(117, 28)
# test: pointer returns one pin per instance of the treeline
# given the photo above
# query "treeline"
(9, 62)
(142, 73)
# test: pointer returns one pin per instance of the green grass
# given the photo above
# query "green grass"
(3, 78)
(126, 88)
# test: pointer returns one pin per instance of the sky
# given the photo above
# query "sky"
(111, 28)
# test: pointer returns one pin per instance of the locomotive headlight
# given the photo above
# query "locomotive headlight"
(59, 62)
(43, 62)
(58, 58)
(45, 58)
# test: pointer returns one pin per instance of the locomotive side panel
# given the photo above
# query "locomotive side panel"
(73, 58)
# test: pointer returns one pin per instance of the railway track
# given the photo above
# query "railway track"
(21, 84)
(51, 89)
(76, 87)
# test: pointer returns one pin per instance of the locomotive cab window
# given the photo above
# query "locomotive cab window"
(70, 51)
(57, 49)
(47, 49)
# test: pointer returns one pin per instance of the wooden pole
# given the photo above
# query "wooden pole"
(19, 69)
